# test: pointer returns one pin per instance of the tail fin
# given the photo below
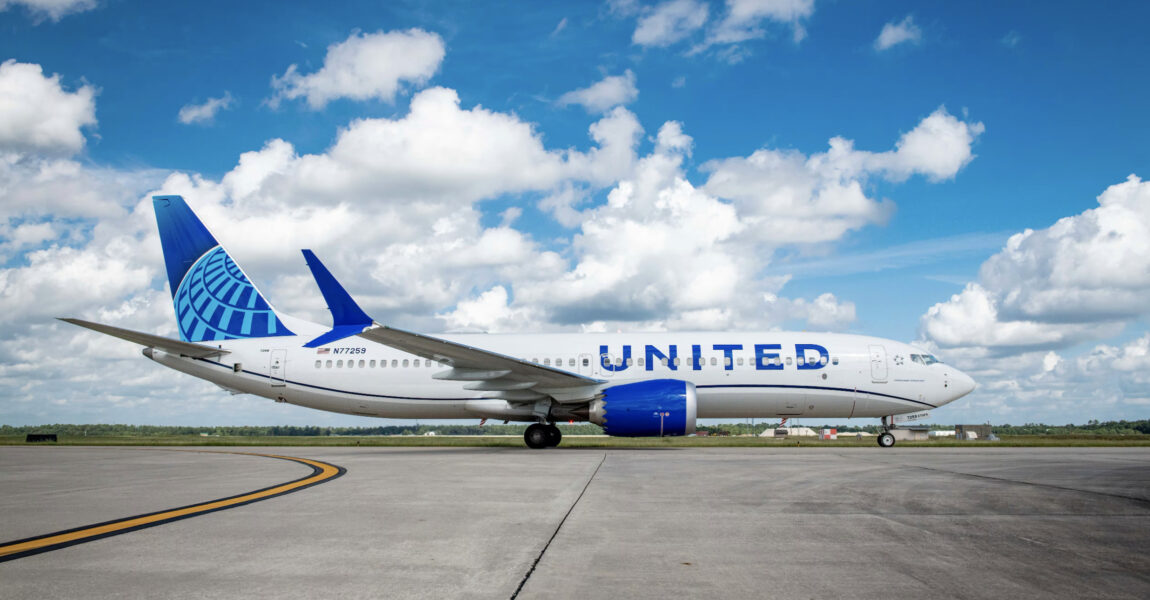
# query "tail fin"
(213, 298)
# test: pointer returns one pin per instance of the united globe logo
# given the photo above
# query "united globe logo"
(216, 301)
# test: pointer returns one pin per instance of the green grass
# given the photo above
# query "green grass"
(578, 441)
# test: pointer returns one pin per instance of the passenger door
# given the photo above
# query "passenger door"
(878, 364)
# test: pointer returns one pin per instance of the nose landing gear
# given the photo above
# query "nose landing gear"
(886, 438)
(542, 435)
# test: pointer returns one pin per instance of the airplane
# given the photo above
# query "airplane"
(630, 384)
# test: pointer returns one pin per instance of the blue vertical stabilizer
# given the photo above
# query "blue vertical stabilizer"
(213, 298)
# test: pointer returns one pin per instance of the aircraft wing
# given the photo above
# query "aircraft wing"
(151, 341)
(505, 376)
(475, 364)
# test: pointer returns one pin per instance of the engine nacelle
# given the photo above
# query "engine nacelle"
(648, 408)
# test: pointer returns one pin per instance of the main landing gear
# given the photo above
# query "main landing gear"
(886, 438)
(542, 435)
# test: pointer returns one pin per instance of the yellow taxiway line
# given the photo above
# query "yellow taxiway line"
(321, 472)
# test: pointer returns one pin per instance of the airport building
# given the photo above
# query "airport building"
(972, 432)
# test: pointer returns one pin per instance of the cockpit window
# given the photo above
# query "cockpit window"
(924, 359)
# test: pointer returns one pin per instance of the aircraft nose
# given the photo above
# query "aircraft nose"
(961, 384)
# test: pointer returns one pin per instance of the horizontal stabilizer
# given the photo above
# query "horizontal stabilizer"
(152, 341)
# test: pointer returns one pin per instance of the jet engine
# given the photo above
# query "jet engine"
(661, 407)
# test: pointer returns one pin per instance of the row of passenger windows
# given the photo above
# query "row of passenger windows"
(371, 364)
(618, 362)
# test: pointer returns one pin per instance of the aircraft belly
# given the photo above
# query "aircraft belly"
(771, 402)
(738, 403)
(388, 401)
(879, 406)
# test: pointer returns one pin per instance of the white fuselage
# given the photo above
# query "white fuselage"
(738, 375)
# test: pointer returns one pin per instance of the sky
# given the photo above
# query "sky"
(965, 177)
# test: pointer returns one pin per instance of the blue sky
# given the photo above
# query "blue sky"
(963, 124)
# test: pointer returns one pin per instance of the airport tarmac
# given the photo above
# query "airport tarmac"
(628, 523)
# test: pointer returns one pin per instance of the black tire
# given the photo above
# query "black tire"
(536, 436)
(554, 436)
(886, 439)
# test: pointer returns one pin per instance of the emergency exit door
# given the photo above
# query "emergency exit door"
(277, 367)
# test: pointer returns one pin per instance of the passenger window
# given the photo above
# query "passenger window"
(835, 360)
(371, 364)
(642, 361)
(678, 361)
(339, 364)
(714, 361)
(740, 362)
(547, 361)
(394, 363)
(405, 363)
(318, 363)
(586, 362)
(328, 366)
(823, 361)
(664, 361)
(802, 361)
(630, 362)
(361, 364)
(727, 361)
(788, 360)
(571, 362)
(619, 362)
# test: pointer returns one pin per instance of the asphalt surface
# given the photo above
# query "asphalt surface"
(472, 522)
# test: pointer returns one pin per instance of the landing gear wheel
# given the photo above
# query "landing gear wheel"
(554, 436)
(537, 436)
(886, 439)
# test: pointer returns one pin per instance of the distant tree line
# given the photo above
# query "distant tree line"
(1092, 427)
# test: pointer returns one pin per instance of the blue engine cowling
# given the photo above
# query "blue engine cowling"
(648, 408)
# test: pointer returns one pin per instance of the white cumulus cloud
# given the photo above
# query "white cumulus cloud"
(38, 115)
(669, 22)
(51, 9)
(206, 111)
(605, 94)
(893, 34)
(1079, 279)
(791, 198)
(364, 67)
(744, 19)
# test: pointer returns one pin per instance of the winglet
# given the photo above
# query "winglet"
(347, 318)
